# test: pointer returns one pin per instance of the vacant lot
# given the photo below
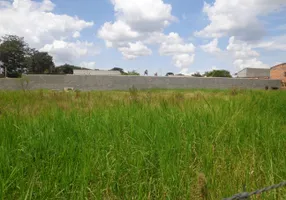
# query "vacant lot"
(141, 145)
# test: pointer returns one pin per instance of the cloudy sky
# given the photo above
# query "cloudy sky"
(159, 35)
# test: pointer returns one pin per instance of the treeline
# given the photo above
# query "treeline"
(214, 73)
(122, 72)
(17, 58)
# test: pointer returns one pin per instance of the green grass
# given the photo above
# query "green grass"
(186, 144)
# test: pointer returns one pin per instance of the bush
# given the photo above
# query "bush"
(14, 74)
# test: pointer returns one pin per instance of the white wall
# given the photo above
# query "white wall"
(96, 72)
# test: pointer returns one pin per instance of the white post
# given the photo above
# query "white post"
(1, 64)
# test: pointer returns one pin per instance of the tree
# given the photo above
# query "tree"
(170, 74)
(133, 73)
(67, 69)
(13, 51)
(120, 70)
(218, 73)
(40, 62)
(197, 74)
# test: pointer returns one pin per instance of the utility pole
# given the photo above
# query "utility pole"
(1, 64)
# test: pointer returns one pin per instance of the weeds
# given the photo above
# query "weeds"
(24, 82)
(134, 97)
(102, 145)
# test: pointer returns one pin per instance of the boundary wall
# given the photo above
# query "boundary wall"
(87, 83)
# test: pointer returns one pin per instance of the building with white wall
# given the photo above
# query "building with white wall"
(261, 73)
(96, 72)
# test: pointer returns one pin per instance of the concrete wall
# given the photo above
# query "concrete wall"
(254, 73)
(125, 82)
(96, 72)
(242, 73)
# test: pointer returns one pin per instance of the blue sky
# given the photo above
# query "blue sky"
(159, 35)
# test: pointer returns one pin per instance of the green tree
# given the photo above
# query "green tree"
(133, 73)
(197, 74)
(218, 73)
(120, 70)
(40, 62)
(170, 74)
(13, 51)
(67, 69)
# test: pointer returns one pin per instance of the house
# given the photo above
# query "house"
(96, 72)
(279, 72)
(256, 73)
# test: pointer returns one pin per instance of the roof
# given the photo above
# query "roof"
(253, 69)
(278, 65)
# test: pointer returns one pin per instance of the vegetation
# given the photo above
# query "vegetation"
(67, 69)
(170, 74)
(18, 57)
(141, 144)
(218, 73)
(40, 62)
(130, 73)
(119, 69)
(197, 74)
(13, 50)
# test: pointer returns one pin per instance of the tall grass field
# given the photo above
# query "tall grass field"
(159, 144)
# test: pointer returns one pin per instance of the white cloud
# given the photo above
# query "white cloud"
(249, 63)
(76, 34)
(159, 38)
(43, 29)
(4, 4)
(241, 49)
(243, 54)
(89, 65)
(135, 20)
(174, 44)
(141, 23)
(144, 16)
(274, 43)
(183, 61)
(68, 52)
(211, 47)
(171, 49)
(182, 53)
(134, 50)
(35, 21)
(238, 18)
(117, 34)
(243, 21)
